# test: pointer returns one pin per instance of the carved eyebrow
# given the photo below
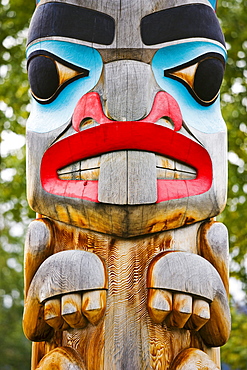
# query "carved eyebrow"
(66, 20)
(182, 22)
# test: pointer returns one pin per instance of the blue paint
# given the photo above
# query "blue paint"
(48, 117)
(205, 119)
(213, 3)
(177, 54)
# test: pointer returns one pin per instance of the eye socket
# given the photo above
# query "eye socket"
(202, 79)
(48, 77)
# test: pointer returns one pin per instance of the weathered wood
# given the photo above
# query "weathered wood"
(39, 245)
(113, 178)
(93, 305)
(142, 183)
(193, 358)
(214, 247)
(159, 304)
(182, 310)
(201, 314)
(198, 278)
(128, 99)
(52, 314)
(63, 359)
(71, 310)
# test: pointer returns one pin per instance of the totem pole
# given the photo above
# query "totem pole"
(125, 265)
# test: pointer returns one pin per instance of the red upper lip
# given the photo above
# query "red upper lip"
(111, 136)
(164, 106)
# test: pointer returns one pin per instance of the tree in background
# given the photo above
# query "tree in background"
(14, 108)
(234, 106)
(14, 103)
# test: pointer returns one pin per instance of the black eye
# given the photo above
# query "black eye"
(202, 77)
(208, 79)
(43, 76)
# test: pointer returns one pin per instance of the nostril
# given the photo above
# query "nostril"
(87, 123)
(165, 105)
(88, 108)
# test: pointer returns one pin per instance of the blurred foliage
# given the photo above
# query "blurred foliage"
(14, 108)
(233, 17)
(234, 353)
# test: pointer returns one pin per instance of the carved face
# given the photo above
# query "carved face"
(125, 135)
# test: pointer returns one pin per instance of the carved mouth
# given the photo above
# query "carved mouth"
(122, 136)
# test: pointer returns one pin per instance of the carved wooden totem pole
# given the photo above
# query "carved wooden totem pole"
(125, 265)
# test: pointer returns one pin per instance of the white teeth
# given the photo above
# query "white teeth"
(169, 169)
(88, 169)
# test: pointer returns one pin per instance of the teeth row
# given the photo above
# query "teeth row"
(169, 169)
(89, 170)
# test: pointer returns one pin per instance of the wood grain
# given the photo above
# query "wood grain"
(71, 310)
(142, 184)
(112, 186)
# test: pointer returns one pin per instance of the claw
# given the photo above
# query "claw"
(93, 305)
(200, 315)
(159, 304)
(182, 310)
(71, 310)
(52, 314)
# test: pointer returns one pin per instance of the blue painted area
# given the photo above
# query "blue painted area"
(206, 119)
(213, 3)
(47, 117)
(177, 54)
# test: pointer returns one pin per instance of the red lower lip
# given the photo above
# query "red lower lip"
(134, 135)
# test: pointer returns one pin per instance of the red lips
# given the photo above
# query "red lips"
(111, 136)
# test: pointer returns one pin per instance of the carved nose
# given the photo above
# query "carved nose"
(128, 90)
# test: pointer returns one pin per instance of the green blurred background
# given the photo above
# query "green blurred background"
(16, 215)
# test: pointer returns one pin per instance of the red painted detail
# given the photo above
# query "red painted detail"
(164, 105)
(89, 106)
(133, 135)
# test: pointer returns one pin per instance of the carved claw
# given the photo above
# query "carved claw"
(186, 291)
(68, 290)
(93, 305)
(75, 310)
(183, 309)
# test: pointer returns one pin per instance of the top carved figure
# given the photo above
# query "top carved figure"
(126, 162)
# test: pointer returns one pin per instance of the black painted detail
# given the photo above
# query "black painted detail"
(181, 22)
(43, 74)
(58, 59)
(66, 20)
(43, 77)
(208, 79)
(204, 85)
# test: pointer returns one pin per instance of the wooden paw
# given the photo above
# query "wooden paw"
(186, 291)
(67, 291)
